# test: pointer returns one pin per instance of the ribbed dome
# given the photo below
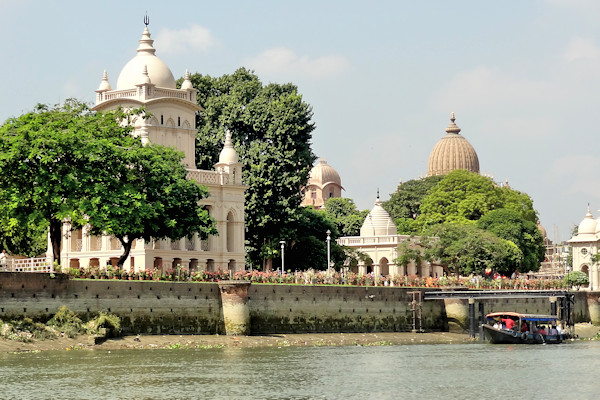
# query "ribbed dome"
(542, 230)
(378, 222)
(159, 73)
(323, 174)
(228, 154)
(452, 152)
(588, 225)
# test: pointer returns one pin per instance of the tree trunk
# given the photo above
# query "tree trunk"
(126, 250)
(56, 239)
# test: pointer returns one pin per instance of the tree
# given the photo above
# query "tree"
(68, 163)
(459, 197)
(143, 193)
(348, 219)
(271, 129)
(464, 249)
(577, 279)
(510, 225)
(404, 204)
(42, 154)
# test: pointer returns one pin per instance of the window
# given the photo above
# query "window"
(162, 121)
(178, 121)
(584, 251)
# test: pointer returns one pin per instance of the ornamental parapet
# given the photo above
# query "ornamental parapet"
(208, 177)
(146, 92)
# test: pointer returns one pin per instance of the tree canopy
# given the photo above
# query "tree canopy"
(68, 163)
(510, 225)
(465, 249)
(347, 218)
(271, 130)
(404, 205)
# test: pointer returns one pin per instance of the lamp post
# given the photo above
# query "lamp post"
(282, 243)
(328, 249)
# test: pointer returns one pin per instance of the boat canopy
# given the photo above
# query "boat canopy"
(526, 317)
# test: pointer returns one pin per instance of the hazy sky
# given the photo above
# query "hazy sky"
(523, 78)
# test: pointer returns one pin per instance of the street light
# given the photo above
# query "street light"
(328, 249)
(282, 243)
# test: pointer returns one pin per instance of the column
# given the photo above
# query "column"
(234, 299)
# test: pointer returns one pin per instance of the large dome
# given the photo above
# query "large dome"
(323, 174)
(378, 222)
(452, 152)
(159, 73)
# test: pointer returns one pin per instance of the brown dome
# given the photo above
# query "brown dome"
(452, 152)
(323, 174)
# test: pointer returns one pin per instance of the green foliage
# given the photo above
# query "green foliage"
(67, 322)
(510, 225)
(577, 279)
(404, 204)
(271, 130)
(348, 219)
(459, 197)
(465, 249)
(108, 325)
(67, 162)
(408, 254)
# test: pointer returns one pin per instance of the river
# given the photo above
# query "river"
(449, 371)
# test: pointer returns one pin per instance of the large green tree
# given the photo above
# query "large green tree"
(68, 163)
(404, 205)
(143, 193)
(510, 225)
(464, 249)
(271, 130)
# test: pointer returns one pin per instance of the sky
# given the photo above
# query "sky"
(522, 77)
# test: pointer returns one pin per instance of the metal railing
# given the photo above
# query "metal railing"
(30, 265)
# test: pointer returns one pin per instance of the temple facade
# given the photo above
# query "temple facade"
(585, 244)
(379, 241)
(147, 81)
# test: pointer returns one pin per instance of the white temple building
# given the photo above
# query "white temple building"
(585, 244)
(379, 240)
(147, 81)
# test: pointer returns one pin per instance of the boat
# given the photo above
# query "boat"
(521, 329)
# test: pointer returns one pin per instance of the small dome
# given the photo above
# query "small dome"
(158, 71)
(323, 174)
(187, 83)
(144, 78)
(588, 225)
(452, 152)
(542, 230)
(228, 154)
(104, 85)
(378, 222)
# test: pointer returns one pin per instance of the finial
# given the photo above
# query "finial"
(452, 128)
(378, 193)
(146, 19)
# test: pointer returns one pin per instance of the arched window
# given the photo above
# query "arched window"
(230, 233)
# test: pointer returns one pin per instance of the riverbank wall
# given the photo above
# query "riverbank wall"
(157, 307)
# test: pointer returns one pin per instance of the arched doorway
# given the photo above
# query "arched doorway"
(585, 269)
(369, 265)
(384, 266)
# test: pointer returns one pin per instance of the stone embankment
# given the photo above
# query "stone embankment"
(156, 307)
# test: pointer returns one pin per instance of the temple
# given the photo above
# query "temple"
(146, 81)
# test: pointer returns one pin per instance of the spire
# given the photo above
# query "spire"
(187, 83)
(228, 154)
(377, 201)
(145, 78)
(104, 85)
(146, 43)
(452, 128)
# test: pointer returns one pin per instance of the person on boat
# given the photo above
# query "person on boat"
(553, 331)
(497, 325)
(509, 323)
(524, 326)
(542, 331)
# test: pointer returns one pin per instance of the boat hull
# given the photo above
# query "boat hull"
(501, 336)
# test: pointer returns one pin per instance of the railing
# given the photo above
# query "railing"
(372, 240)
(32, 265)
(152, 93)
(203, 177)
